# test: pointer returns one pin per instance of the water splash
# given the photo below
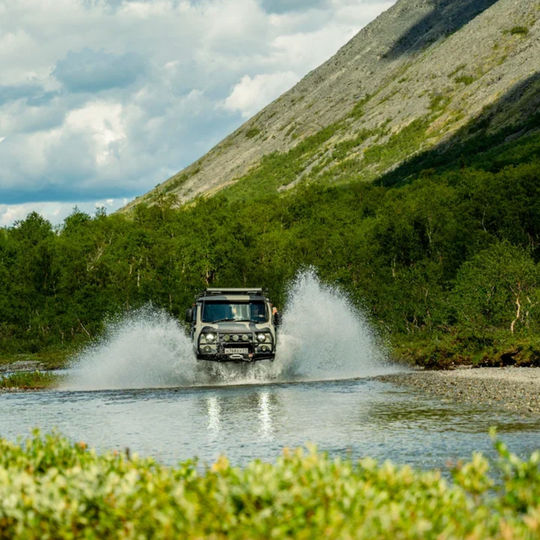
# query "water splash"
(323, 337)
(145, 349)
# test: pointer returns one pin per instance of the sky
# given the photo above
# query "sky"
(101, 100)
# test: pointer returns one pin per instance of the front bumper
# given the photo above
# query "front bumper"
(235, 346)
(235, 357)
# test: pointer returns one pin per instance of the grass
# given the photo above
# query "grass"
(398, 146)
(358, 109)
(449, 350)
(47, 359)
(438, 102)
(176, 183)
(519, 31)
(277, 169)
(465, 79)
(33, 378)
(53, 488)
(280, 169)
(252, 132)
(29, 380)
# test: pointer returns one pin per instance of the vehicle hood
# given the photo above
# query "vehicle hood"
(234, 327)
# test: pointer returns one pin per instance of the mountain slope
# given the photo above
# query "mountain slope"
(420, 75)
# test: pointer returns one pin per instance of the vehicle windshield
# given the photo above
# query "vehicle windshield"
(254, 311)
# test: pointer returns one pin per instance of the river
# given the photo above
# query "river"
(347, 418)
(140, 387)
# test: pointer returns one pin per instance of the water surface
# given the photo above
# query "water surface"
(349, 418)
(114, 395)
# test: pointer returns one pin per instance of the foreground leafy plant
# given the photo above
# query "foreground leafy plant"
(51, 488)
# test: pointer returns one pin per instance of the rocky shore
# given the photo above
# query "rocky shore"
(511, 388)
(21, 365)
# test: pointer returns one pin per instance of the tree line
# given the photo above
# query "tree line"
(452, 253)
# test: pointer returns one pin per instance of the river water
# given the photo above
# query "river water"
(349, 418)
(140, 388)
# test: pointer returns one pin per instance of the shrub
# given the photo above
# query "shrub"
(252, 132)
(519, 30)
(52, 488)
(465, 79)
(28, 379)
(498, 287)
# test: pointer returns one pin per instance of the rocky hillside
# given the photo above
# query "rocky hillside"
(421, 74)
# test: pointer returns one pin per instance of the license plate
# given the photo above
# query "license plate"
(236, 350)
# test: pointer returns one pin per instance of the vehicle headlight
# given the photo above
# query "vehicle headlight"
(226, 337)
(245, 337)
(208, 338)
(235, 337)
(264, 337)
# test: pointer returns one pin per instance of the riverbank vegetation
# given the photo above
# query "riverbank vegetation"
(28, 361)
(53, 488)
(445, 264)
(29, 380)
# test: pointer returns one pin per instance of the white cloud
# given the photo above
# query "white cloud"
(103, 122)
(103, 99)
(252, 94)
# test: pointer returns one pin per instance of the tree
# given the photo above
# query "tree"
(498, 287)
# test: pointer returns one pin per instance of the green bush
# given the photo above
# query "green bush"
(28, 379)
(498, 287)
(519, 30)
(252, 132)
(465, 79)
(52, 488)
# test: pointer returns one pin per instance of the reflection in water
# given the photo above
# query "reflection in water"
(214, 412)
(255, 409)
(265, 415)
(344, 418)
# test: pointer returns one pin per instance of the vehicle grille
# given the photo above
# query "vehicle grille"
(234, 338)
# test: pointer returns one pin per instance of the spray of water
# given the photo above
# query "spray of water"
(322, 337)
(325, 337)
(145, 349)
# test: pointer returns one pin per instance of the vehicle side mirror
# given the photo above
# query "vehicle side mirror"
(189, 315)
(276, 319)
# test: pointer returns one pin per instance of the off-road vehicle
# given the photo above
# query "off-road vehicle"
(233, 325)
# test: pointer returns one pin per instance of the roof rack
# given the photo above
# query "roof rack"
(229, 290)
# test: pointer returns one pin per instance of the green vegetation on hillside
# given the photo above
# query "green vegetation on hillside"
(446, 264)
(442, 252)
(519, 30)
(317, 159)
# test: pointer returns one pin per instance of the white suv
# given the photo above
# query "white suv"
(233, 325)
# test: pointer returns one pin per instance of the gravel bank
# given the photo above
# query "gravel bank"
(511, 388)
(22, 365)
